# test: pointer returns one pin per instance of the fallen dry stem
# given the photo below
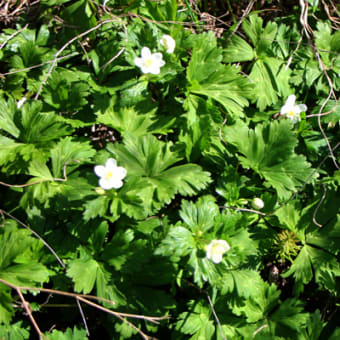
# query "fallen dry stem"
(85, 299)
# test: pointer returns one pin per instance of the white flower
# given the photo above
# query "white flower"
(292, 111)
(216, 249)
(150, 62)
(110, 175)
(168, 42)
(257, 203)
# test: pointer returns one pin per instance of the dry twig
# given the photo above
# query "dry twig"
(85, 299)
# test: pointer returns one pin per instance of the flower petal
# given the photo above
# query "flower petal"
(154, 70)
(138, 62)
(105, 184)
(216, 258)
(284, 109)
(120, 172)
(302, 107)
(111, 165)
(99, 170)
(146, 53)
(291, 100)
(116, 183)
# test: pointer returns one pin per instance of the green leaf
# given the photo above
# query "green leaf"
(79, 15)
(269, 151)
(28, 273)
(69, 334)
(117, 250)
(243, 282)
(25, 274)
(129, 120)
(203, 269)
(314, 327)
(14, 332)
(106, 288)
(39, 170)
(10, 247)
(259, 304)
(150, 162)
(198, 136)
(69, 154)
(83, 272)
(237, 49)
(271, 77)
(37, 127)
(14, 156)
(312, 260)
(208, 77)
(199, 217)
(6, 305)
(7, 114)
(178, 242)
(132, 200)
(287, 320)
(326, 42)
(65, 92)
(95, 207)
(196, 322)
(262, 38)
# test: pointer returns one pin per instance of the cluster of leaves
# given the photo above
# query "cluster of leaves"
(199, 141)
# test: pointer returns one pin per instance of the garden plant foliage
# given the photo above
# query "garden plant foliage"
(179, 175)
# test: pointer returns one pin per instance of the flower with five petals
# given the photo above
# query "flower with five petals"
(292, 111)
(150, 62)
(110, 175)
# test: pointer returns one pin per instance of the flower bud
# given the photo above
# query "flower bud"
(100, 191)
(257, 203)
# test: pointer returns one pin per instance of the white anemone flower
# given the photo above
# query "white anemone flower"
(216, 249)
(150, 62)
(292, 111)
(168, 43)
(110, 175)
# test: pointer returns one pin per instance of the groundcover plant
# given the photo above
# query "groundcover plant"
(167, 172)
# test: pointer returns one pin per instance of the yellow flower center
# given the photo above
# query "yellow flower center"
(148, 62)
(109, 175)
(290, 114)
